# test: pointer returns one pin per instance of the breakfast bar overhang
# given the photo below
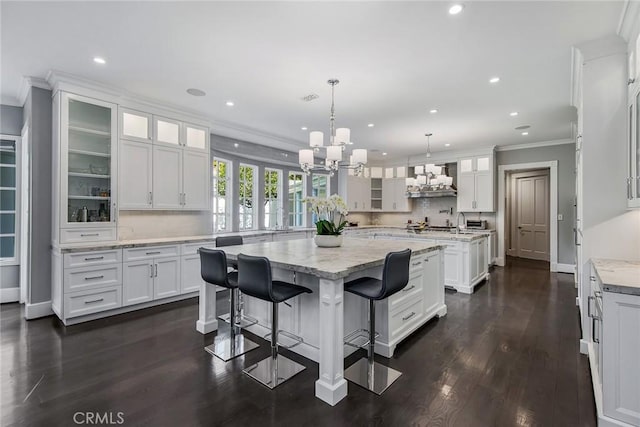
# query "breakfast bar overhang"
(323, 319)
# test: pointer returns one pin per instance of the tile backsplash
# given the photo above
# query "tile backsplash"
(152, 224)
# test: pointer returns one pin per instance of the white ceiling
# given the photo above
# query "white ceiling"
(395, 61)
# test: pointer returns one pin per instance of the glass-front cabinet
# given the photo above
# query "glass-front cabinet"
(88, 172)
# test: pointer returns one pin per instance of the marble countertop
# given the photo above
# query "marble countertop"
(618, 276)
(397, 231)
(133, 243)
(304, 256)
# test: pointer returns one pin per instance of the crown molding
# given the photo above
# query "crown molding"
(27, 83)
(629, 24)
(535, 145)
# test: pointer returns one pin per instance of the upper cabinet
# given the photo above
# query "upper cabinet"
(135, 125)
(633, 150)
(195, 137)
(84, 168)
(167, 131)
(476, 181)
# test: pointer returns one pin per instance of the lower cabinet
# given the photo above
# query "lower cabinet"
(166, 280)
(138, 279)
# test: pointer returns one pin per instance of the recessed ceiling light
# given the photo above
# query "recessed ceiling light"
(433, 111)
(303, 128)
(525, 133)
(99, 60)
(235, 144)
(494, 79)
(230, 104)
(455, 9)
(513, 113)
(447, 145)
(195, 92)
(370, 125)
(384, 154)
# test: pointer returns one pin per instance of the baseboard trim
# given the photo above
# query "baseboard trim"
(9, 295)
(37, 310)
(566, 268)
(584, 347)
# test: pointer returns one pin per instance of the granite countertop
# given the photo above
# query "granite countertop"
(622, 277)
(133, 243)
(304, 256)
(398, 231)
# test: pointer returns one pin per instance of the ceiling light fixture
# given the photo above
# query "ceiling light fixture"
(303, 128)
(99, 60)
(230, 104)
(525, 133)
(447, 145)
(455, 9)
(384, 154)
(195, 92)
(433, 111)
(428, 135)
(370, 125)
(494, 80)
(338, 139)
(513, 113)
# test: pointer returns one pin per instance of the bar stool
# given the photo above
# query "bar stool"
(213, 269)
(241, 320)
(254, 279)
(395, 276)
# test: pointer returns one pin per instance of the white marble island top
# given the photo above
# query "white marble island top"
(397, 231)
(329, 263)
(618, 276)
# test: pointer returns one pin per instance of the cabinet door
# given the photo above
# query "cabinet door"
(195, 137)
(432, 280)
(166, 282)
(137, 282)
(466, 192)
(389, 203)
(473, 261)
(167, 131)
(403, 203)
(365, 194)
(484, 193)
(195, 180)
(190, 274)
(465, 166)
(135, 125)
(167, 177)
(482, 164)
(353, 193)
(135, 180)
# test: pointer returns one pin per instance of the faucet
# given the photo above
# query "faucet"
(458, 221)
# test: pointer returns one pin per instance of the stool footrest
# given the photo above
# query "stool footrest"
(358, 334)
(298, 340)
(244, 322)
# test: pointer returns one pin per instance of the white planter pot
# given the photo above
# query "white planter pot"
(324, 241)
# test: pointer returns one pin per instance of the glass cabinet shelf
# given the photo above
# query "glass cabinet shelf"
(81, 129)
(88, 197)
(88, 153)
(89, 175)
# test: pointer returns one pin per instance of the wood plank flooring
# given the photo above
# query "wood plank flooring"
(505, 356)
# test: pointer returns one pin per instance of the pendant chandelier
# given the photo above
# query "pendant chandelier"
(338, 140)
(428, 135)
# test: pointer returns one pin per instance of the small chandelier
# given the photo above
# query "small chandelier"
(338, 140)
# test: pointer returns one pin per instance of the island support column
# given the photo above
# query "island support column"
(331, 387)
(207, 321)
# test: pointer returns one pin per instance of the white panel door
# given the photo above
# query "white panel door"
(389, 203)
(167, 177)
(135, 180)
(135, 125)
(365, 193)
(484, 193)
(532, 216)
(466, 192)
(195, 180)
(137, 282)
(190, 274)
(166, 281)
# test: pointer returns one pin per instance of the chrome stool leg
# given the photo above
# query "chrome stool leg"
(229, 341)
(275, 369)
(242, 320)
(366, 372)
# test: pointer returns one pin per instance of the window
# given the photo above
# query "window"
(272, 198)
(319, 188)
(221, 195)
(247, 197)
(296, 194)
(9, 197)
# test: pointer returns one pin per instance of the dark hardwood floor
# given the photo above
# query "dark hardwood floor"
(505, 356)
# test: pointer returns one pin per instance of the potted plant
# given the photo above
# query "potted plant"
(330, 213)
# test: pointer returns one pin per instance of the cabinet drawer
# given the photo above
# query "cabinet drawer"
(415, 265)
(448, 244)
(82, 278)
(150, 252)
(405, 318)
(79, 235)
(85, 259)
(192, 248)
(93, 301)
(412, 291)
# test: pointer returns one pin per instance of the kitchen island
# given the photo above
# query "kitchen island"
(324, 318)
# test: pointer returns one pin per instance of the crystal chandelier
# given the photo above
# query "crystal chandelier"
(338, 140)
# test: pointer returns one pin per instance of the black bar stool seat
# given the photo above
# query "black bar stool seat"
(254, 279)
(366, 372)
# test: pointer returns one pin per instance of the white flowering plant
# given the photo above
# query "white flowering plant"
(331, 213)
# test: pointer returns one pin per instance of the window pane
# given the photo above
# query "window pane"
(7, 157)
(7, 200)
(7, 223)
(7, 246)
(7, 176)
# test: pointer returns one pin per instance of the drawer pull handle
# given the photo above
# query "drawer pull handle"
(89, 234)
(93, 258)
(94, 277)
(593, 278)
(409, 288)
(94, 300)
(154, 253)
(416, 263)
(404, 319)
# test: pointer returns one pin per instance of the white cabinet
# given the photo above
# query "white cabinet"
(167, 131)
(394, 197)
(195, 180)
(138, 282)
(190, 272)
(166, 281)
(476, 184)
(135, 125)
(358, 194)
(633, 150)
(167, 177)
(136, 177)
(149, 275)
(195, 137)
